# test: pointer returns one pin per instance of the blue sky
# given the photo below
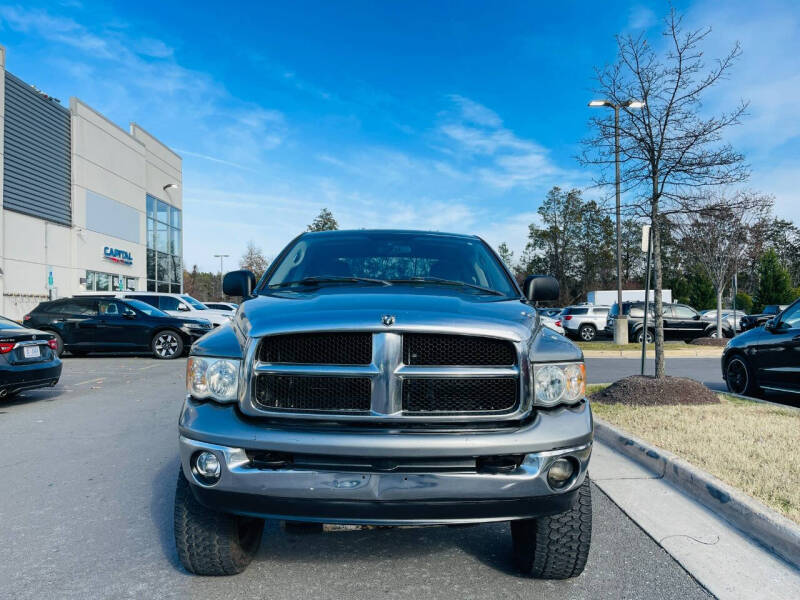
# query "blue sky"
(449, 115)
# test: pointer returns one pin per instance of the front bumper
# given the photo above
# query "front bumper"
(374, 497)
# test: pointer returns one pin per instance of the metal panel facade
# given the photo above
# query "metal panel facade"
(36, 163)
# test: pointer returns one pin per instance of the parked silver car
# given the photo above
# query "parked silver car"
(584, 321)
(730, 320)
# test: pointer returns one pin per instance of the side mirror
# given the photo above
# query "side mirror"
(770, 324)
(239, 283)
(183, 308)
(129, 314)
(538, 288)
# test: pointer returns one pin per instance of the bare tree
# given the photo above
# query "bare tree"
(670, 152)
(506, 254)
(254, 260)
(716, 236)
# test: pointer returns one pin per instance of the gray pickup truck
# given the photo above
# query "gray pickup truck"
(389, 378)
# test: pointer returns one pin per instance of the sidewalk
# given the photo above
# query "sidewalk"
(697, 351)
(722, 559)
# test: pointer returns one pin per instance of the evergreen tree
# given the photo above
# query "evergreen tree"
(324, 221)
(774, 284)
(506, 254)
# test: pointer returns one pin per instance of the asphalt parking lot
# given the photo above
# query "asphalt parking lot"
(86, 512)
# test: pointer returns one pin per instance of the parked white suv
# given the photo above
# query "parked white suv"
(584, 321)
(180, 305)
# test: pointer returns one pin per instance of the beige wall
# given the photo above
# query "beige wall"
(109, 161)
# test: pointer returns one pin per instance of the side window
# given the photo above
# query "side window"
(791, 317)
(147, 299)
(169, 303)
(108, 308)
(77, 307)
(683, 312)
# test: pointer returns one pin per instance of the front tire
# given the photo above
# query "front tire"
(167, 345)
(555, 547)
(211, 542)
(640, 337)
(740, 378)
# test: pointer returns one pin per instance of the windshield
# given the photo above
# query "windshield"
(195, 304)
(379, 257)
(149, 310)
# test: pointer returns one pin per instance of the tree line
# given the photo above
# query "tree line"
(574, 241)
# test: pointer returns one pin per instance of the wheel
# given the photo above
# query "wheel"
(211, 542)
(555, 547)
(167, 344)
(640, 337)
(59, 343)
(587, 332)
(740, 378)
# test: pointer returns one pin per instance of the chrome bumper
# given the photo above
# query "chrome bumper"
(394, 498)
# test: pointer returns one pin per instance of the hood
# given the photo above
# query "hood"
(413, 309)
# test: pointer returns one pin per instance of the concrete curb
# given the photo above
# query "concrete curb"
(701, 352)
(772, 530)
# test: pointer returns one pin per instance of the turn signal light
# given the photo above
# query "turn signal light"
(6, 347)
(568, 317)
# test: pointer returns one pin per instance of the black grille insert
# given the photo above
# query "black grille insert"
(303, 393)
(325, 348)
(427, 349)
(435, 396)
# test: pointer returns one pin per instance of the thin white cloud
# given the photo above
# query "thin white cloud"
(641, 17)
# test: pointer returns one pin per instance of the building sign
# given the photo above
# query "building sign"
(116, 255)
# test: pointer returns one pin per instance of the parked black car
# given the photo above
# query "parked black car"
(681, 322)
(770, 310)
(28, 358)
(766, 357)
(93, 324)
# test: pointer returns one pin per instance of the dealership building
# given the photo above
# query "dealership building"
(85, 205)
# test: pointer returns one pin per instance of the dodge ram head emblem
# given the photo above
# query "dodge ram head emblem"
(387, 320)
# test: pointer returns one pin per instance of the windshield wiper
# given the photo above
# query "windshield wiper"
(318, 279)
(441, 281)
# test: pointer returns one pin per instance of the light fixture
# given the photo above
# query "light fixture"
(171, 186)
(599, 103)
(635, 104)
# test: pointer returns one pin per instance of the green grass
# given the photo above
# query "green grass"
(610, 345)
(749, 445)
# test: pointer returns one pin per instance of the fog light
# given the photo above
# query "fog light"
(207, 467)
(560, 473)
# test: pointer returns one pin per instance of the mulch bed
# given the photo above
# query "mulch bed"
(649, 391)
(709, 341)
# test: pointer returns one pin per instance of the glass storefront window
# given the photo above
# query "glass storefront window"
(90, 279)
(164, 245)
(103, 282)
(162, 214)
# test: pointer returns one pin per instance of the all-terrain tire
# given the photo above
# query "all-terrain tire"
(555, 547)
(211, 542)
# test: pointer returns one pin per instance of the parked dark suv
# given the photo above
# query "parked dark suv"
(91, 324)
(681, 322)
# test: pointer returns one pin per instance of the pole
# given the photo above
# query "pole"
(221, 257)
(621, 323)
(646, 297)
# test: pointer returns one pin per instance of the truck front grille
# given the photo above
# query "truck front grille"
(432, 396)
(326, 394)
(433, 349)
(318, 348)
(387, 375)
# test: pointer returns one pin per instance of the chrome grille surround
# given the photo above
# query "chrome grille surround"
(387, 372)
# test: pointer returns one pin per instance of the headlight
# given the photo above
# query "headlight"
(558, 383)
(198, 325)
(215, 378)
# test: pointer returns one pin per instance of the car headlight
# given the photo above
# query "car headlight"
(215, 378)
(198, 325)
(558, 383)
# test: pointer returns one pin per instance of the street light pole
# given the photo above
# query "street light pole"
(221, 257)
(621, 322)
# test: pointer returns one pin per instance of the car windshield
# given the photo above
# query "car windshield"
(9, 324)
(149, 310)
(385, 258)
(195, 304)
